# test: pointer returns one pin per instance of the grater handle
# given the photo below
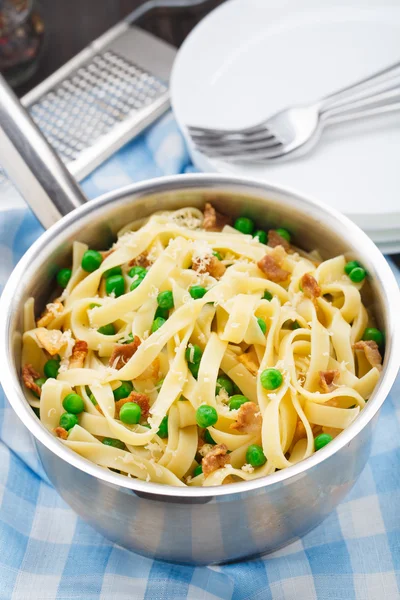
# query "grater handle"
(31, 163)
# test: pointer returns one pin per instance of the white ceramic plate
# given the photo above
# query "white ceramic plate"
(250, 58)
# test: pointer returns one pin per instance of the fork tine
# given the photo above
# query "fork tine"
(193, 129)
(232, 138)
(242, 146)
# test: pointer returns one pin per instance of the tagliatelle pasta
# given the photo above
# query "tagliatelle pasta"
(191, 353)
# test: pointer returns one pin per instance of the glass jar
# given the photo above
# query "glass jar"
(21, 39)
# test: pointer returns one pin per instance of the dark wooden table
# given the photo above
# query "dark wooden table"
(70, 25)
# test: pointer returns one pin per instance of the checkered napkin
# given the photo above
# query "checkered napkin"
(48, 553)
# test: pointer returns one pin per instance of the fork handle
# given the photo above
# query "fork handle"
(380, 81)
(371, 111)
(375, 104)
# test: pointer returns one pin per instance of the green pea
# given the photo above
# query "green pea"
(271, 379)
(193, 354)
(91, 261)
(375, 335)
(206, 416)
(208, 437)
(94, 305)
(73, 403)
(198, 471)
(255, 456)
(194, 369)
(163, 429)
(197, 291)
(353, 264)
(296, 325)
(63, 277)
(68, 420)
(261, 235)
(114, 443)
(92, 399)
(123, 390)
(358, 274)
(262, 324)
(40, 381)
(108, 329)
(135, 283)
(284, 234)
(236, 401)
(161, 312)
(115, 284)
(217, 255)
(244, 225)
(165, 300)
(322, 440)
(157, 323)
(267, 296)
(110, 273)
(141, 271)
(130, 413)
(51, 368)
(225, 383)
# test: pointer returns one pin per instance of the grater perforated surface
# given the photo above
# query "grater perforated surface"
(89, 103)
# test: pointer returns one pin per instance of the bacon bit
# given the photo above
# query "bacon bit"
(53, 309)
(249, 362)
(215, 459)
(124, 353)
(106, 253)
(327, 380)
(61, 433)
(310, 286)
(29, 375)
(210, 265)
(51, 340)
(140, 261)
(151, 372)
(271, 269)
(79, 353)
(213, 220)
(274, 240)
(141, 399)
(249, 419)
(371, 352)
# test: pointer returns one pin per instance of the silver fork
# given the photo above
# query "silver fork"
(297, 129)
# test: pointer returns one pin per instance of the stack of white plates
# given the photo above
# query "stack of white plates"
(250, 58)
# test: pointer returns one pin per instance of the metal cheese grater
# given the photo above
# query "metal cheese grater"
(106, 94)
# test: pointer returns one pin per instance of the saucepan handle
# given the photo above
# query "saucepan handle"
(31, 163)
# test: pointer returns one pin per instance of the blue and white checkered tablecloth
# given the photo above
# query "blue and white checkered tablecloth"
(48, 553)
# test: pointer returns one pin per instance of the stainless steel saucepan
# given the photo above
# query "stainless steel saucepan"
(188, 525)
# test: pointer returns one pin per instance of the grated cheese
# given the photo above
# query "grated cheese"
(247, 468)
(205, 449)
